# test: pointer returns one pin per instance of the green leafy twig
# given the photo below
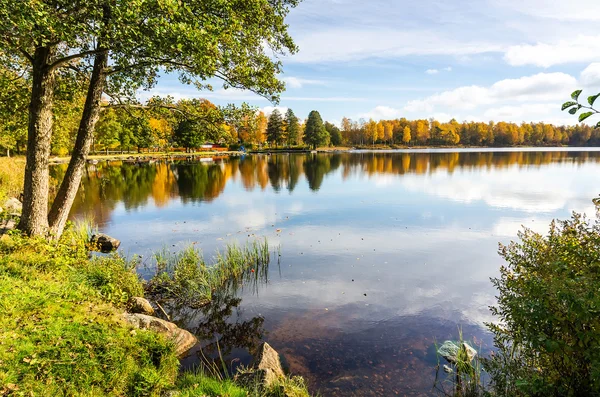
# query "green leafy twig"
(574, 106)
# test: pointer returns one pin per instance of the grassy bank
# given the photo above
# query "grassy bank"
(61, 332)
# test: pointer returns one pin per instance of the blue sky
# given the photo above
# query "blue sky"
(511, 60)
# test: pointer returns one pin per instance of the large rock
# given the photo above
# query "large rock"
(449, 350)
(265, 369)
(183, 339)
(140, 305)
(104, 243)
(13, 206)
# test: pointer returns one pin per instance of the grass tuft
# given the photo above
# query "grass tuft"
(185, 277)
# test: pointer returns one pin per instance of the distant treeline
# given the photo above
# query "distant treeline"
(199, 121)
(433, 133)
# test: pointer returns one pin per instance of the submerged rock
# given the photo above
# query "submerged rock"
(449, 350)
(140, 305)
(265, 369)
(104, 243)
(183, 339)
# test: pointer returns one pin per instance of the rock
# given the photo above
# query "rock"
(13, 206)
(265, 369)
(449, 350)
(6, 225)
(140, 305)
(104, 243)
(183, 339)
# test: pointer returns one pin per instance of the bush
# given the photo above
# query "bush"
(548, 338)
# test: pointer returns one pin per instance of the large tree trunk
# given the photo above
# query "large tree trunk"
(34, 221)
(61, 206)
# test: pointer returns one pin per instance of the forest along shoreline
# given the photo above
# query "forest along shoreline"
(152, 156)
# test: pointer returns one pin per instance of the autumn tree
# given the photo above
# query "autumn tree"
(315, 133)
(50, 41)
(406, 135)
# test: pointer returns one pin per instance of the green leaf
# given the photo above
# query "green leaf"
(575, 94)
(568, 104)
(592, 99)
(573, 110)
(597, 125)
(584, 116)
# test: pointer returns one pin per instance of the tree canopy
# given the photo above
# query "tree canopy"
(315, 133)
(112, 49)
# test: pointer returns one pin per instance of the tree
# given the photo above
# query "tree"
(189, 134)
(406, 135)
(315, 133)
(292, 127)
(275, 128)
(335, 135)
(50, 41)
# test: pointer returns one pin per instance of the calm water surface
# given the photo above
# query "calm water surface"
(381, 253)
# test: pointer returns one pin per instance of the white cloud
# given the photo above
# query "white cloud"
(348, 44)
(582, 10)
(297, 82)
(539, 87)
(447, 69)
(579, 49)
(381, 113)
(432, 71)
(590, 76)
(531, 112)
(267, 110)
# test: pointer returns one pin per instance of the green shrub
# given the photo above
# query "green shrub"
(548, 336)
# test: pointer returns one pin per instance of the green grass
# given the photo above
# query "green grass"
(188, 280)
(11, 177)
(61, 332)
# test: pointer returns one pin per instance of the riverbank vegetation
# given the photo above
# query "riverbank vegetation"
(185, 279)
(62, 330)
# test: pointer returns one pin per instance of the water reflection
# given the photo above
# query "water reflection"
(134, 184)
(382, 253)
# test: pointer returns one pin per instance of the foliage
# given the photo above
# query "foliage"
(335, 135)
(575, 106)
(314, 132)
(548, 335)
(292, 128)
(275, 133)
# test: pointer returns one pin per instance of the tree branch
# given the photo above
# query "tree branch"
(59, 62)
(26, 54)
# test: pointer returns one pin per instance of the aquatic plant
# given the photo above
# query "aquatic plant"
(186, 278)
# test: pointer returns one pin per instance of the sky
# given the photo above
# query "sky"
(479, 60)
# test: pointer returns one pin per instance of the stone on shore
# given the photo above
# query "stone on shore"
(183, 339)
(140, 305)
(265, 370)
(104, 243)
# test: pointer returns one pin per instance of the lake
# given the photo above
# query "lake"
(382, 253)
